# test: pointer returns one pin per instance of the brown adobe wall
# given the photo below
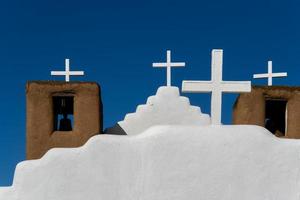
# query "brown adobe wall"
(249, 108)
(39, 126)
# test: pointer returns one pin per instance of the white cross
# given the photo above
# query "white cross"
(216, 86)
(67, 73)
(168, 65)
(270, 75)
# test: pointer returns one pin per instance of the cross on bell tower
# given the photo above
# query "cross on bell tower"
(67, 73)
(270, 74)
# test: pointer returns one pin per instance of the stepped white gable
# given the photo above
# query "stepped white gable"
(167, 107)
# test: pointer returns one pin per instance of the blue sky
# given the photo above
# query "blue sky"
(115, 42)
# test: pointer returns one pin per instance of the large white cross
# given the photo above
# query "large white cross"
(270, 74)
(67, 73)
(216, 86)
(168, 65)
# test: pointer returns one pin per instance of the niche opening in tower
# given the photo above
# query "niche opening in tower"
(275, 119)
(63, 109)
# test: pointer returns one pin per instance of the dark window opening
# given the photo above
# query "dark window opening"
(63, 109)
(275, 119)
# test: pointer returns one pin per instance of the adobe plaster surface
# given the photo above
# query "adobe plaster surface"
(249, 108)
(40, 131)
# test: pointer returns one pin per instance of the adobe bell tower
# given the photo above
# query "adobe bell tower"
(61, 114)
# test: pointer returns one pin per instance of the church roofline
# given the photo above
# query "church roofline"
(277, 87)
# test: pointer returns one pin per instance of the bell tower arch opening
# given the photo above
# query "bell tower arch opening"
(276, 116)
(63, 110)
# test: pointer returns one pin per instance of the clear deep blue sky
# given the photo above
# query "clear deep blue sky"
(115, 42)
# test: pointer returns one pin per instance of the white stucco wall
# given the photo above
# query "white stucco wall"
(166, 162)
